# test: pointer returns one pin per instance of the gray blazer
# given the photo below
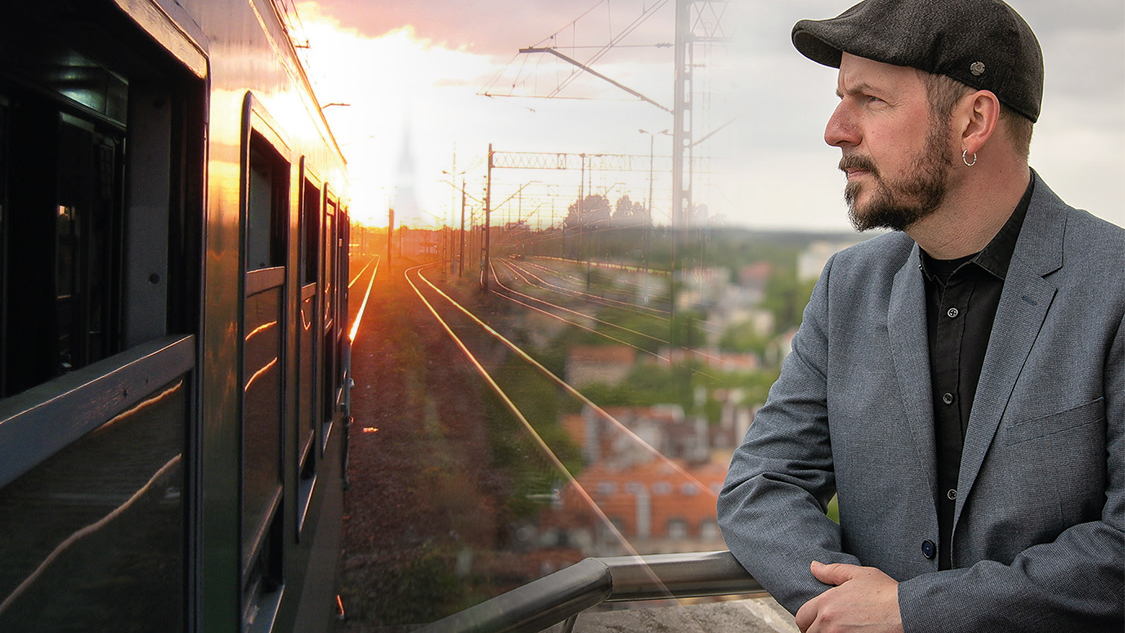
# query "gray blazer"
(1039, 528)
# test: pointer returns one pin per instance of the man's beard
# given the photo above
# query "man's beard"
(899, 204)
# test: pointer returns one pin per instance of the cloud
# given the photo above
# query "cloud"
(494, 27)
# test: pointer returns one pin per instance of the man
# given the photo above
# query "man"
(958, 383)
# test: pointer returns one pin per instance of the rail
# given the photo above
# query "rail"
(561, 596)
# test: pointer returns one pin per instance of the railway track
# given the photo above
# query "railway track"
(628, 295)
(487, 446)
(356, 311)
(623, 320)
(521, 382)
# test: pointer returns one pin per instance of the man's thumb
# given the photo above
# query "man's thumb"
(834, 574)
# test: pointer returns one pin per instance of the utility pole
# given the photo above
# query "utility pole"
(582, 234)
(681, 114)
(648, 221)
(487, 225)
(461, 257)
(696, 21)
(452, 203)
(390, 233)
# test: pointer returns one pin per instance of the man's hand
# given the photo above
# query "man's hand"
(861, 599)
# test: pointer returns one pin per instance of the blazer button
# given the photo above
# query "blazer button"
(929, 550)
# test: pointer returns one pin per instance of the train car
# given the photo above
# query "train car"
(173, 291)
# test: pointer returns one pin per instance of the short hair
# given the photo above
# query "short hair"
(944, 92)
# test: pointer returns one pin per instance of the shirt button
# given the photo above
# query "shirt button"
(929, 549)
(951, 494)
(952, 313)
(947, 398)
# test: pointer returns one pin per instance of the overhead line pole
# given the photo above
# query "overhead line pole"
(709, 23)
(461, 256)
(681, 129)
(487, 225)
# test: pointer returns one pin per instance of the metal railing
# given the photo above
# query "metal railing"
(561, 596)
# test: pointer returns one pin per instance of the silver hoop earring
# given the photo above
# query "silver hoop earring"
(964, 160)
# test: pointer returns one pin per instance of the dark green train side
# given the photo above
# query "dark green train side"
(173, 305)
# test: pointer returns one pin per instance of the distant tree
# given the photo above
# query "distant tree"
(743, 337)
(594, 211)
(629, 213)
(786, 297)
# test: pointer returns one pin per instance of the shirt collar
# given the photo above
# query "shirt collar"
(997, 255)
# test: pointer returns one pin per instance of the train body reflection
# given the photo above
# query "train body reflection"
(173, 349)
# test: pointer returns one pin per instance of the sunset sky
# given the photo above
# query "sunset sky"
(416, 76)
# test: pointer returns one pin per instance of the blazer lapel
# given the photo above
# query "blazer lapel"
(906, 328)
(1024, 304)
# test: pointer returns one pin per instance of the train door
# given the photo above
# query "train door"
(330, 356)
(307, 344)
(266, 229)
(343, 258)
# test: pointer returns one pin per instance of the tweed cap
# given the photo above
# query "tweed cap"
(984, 44)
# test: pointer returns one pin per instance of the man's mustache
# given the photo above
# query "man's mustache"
(856, 161)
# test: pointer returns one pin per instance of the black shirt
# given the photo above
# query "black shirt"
(961, 300)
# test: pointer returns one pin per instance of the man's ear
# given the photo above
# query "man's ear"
(977, 116)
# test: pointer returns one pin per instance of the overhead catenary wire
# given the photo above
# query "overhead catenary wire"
(552, 41)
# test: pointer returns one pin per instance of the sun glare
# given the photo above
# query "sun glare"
(400, 122)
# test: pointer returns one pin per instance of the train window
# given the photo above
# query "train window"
(76, 77)
(87, 242)
(329, 254)
(99, 132)
(65, 202)
(310, 231)
(266, 207)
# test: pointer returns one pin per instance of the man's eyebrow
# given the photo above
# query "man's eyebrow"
(860, 88)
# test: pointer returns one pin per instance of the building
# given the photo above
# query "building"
(661, 506)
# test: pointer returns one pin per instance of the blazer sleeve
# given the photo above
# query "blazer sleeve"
(1075, 583)
(772, 506)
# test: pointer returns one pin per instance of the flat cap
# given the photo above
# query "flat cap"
(984, 44)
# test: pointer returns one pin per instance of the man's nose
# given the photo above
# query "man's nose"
(841, 130)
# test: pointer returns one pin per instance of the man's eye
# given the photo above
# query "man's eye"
(874, 100)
